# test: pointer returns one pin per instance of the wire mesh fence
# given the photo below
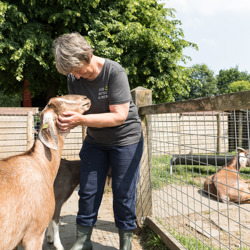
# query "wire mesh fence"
(187, 149)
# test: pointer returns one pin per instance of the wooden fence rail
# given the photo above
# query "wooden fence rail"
(18, 131)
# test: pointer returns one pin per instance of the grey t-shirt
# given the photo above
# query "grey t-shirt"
(110, 87)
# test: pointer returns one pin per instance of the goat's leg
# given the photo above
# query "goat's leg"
(247, 182)
(210, 189)
(53, 235)
(223, 198)
(223, 192)
(50, 233)
(36, 243)
(245, 201)
(53, 228)
(244, 198)
(244, 195)
(57, 242)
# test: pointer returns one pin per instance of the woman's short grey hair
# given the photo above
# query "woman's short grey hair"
(69, 51)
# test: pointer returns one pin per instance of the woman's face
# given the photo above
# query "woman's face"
(86, 71)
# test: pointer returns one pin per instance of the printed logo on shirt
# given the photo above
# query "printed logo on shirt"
(103, 93)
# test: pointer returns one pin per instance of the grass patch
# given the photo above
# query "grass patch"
(154, 241)
(183, 174)
(191, 243)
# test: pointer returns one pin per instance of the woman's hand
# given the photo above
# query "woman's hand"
(68, 121)
(117, 116)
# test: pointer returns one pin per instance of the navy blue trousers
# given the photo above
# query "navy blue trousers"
(125, 164)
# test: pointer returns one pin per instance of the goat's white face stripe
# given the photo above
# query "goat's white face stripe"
(67, 101)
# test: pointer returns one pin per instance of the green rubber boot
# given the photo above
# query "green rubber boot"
(83, 241)
(126, 238)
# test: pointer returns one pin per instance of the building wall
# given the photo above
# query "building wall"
(189, 133)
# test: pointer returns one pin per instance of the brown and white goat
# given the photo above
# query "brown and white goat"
(27, 200)
(226, 184)
(67, 179)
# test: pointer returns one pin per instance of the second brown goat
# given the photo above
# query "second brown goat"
(67, 179)
(226, 184)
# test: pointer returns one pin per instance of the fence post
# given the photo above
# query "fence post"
(219, 134)
(143, 97)
(30, 137)
(240, 129)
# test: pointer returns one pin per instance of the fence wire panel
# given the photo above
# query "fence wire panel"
(186, 150)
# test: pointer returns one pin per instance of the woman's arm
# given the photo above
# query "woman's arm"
(117, 116)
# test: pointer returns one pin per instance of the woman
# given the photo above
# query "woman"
(114, 136)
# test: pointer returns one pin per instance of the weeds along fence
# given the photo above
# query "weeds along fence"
(19, 129)
(186, 143)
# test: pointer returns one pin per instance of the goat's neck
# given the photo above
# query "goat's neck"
(48, 159)
(234, 164)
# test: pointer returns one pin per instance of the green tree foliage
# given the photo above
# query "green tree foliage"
(238, 86)
(142, 35)
(201, 82)
(13, 100)
(228, 76)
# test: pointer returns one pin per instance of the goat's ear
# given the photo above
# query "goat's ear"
(240, 149)
(47, 133)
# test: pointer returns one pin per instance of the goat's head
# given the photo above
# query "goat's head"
(56, 106)
(243, 157)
